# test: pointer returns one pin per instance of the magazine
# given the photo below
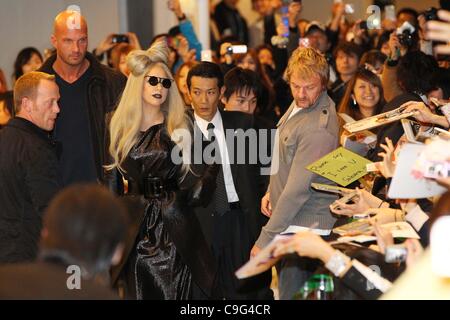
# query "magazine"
(378, 120)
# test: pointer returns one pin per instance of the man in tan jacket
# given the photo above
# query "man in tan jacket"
(307, 132)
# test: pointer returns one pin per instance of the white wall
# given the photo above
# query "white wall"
(29, 23)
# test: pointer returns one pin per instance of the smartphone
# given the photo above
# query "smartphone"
(345, 199)
(330, 188)
(389, 13)
(120, 38)
(237, 49)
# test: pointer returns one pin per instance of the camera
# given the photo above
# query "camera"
(279, 41)
(120, 38)
(431, 14)
(405, 34)
(396, 254)
(237, 49)
(363, 25)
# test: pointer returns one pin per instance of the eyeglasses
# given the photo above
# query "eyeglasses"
(153, 81)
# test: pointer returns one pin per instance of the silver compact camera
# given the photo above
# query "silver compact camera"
(396, 254)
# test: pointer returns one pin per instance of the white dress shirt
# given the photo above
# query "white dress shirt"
(294, 112)
(225, 160)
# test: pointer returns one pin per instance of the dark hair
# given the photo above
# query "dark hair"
(174, 31)
(190, 65)
(86, 223)
(254, 55)
(441, 80)
(444, 4)
(415, 72)
(349, 48)
(118, 51)
(264, 47)
(22, 59)
(267, 101)
(155, 38)
(242, 80)
(346, 106)
(208, 70)
(372, 57)
(409, 11)
(382, 39)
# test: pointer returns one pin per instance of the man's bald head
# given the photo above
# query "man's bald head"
(69, 20)
(70, 37)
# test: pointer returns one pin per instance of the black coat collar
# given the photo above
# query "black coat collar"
(97, 71)
(28, 126)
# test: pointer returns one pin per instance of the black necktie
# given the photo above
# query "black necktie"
(221, 198)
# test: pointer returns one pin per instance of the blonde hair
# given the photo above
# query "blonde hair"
(126, 121)
(307, 62)
(27, 86)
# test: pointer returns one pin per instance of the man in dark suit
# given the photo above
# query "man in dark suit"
(229, 222)
(28, 166)
(83, 234)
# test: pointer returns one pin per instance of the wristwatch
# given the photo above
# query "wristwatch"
(337, 263)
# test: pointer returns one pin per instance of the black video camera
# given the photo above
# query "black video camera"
(431, 14)
(405, 34)
(120, 38)
(363, 25)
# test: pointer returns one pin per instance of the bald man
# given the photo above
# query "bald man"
(88, 91)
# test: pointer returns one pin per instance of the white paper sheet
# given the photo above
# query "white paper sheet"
(404, 185)
(295, 229)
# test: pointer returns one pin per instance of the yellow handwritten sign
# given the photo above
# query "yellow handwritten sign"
(341, 166)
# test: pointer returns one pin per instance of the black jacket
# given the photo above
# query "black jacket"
(246, 179)
(230, 23)
(28, 180)
(104, 90)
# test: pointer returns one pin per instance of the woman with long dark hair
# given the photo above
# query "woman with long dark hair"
(28, 59)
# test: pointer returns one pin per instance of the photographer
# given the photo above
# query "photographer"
(107, 45)
(414, 75)
(347, 56)
(399, 45)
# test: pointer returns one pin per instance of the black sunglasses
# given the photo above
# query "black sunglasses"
(153, 81)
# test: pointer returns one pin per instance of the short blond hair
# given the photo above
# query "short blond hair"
(27, 85)
(307, 62)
